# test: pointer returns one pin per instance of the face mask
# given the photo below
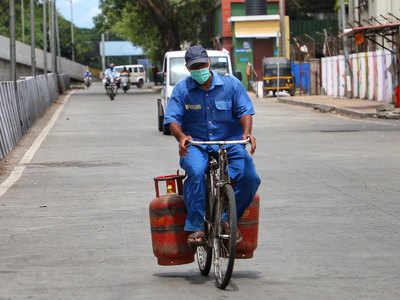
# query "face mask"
(201, 75)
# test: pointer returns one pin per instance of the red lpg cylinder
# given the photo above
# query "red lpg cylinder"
(167, 220)
(248, 226)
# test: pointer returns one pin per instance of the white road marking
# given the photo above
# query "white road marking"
(16, 174)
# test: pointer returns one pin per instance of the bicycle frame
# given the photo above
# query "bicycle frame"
(220, 245)
(218, 173)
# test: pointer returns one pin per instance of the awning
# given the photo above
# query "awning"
(371, 29)
(385, 31)
(257, 36)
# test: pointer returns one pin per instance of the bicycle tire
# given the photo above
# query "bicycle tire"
(204, 252)
(224, 246)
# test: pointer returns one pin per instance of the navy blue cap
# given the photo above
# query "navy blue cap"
(196, 54)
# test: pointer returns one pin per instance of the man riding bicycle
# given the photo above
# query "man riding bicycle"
(207, 106)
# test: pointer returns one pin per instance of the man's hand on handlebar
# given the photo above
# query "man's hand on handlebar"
(183, 150)
(252, 142)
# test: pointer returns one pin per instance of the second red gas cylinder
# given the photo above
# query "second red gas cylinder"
(248, 226)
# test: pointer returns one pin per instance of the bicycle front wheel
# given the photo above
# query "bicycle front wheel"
(224, 245)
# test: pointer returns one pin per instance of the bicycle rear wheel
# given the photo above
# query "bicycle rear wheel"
(204, 252)
(224, 244)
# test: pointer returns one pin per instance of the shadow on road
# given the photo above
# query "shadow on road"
(103, 93)
(190, 276)
(194, 277)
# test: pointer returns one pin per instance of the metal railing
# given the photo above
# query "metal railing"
(21, 107)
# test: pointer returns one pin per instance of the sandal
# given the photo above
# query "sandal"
(196, 239)
(239, 236)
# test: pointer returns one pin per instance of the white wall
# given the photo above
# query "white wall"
(373, 74)
(382, 7)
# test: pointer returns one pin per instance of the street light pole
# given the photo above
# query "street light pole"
(53, 37)
(23, 20)
(13, 59)
(58, 46)
(283, 28)
(33, 41)
(72, 34)
(103, 53)
(347, 78)
(278, 66)
(44, 38)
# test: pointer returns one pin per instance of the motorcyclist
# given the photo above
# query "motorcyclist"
(88, 74)
(124, 71)
(125, 80)
(87, 77)
(111, 73)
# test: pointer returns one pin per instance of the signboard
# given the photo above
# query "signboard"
(121, 48)
(246, 45)
(145, 62)
(242, 50)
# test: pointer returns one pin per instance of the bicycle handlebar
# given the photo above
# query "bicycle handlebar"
(237, 142)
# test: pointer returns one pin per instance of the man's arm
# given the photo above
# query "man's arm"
(176, 130)
(247, 125)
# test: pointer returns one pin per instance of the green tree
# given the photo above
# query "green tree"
(156, 25)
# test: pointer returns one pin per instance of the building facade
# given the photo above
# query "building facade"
(248, 38)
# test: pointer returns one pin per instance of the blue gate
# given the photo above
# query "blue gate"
(302, 74)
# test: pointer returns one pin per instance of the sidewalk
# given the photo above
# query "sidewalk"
(349, 107)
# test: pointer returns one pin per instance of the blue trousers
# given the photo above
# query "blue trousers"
(241, 170)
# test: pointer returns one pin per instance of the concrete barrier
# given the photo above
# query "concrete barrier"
(66, 66)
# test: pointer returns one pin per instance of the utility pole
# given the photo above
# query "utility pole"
(283, 28)
(53, 37)
(347, 76)
(103, 53)
(44, 38)
(13, 59)
(23, 20)
(278, 66)
(72, 34)
(33, 42)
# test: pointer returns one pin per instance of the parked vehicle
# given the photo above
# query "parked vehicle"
(270, 75)
(174, 70)
(137, 74)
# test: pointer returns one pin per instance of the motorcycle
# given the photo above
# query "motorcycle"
(125, 83)
(111, 86)
(87, 81)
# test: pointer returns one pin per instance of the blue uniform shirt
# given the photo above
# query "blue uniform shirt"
(210, 115)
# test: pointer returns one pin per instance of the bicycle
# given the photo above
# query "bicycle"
(220, 220)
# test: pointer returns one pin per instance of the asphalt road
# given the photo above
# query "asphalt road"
(76, 226)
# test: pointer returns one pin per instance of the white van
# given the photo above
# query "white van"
(174, 70)
(137, 74)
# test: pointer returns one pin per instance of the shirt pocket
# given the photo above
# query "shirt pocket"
(223, 111)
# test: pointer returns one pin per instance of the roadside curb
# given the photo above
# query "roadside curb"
(325, 108)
